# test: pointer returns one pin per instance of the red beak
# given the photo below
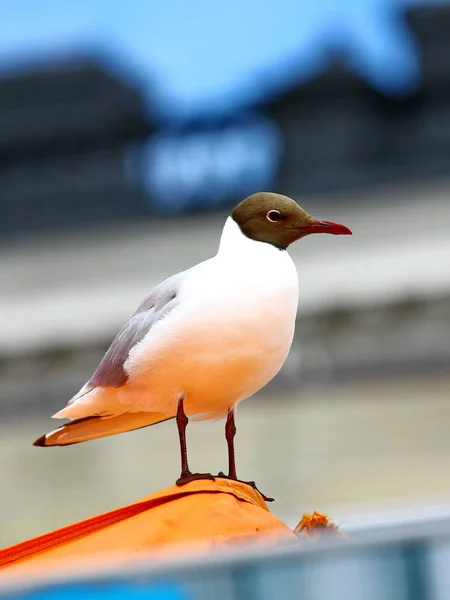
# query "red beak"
(326, 227)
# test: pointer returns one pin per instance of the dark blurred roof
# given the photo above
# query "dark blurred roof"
(65, 133)
(431, 27)
(336, 81)
(67, 105)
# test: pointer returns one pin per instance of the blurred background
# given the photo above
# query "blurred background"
(127, 132)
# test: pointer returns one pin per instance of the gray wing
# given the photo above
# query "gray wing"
(158, 304)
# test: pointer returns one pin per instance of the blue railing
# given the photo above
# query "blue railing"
(407, 562)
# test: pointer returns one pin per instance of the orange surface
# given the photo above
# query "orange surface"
(184, 520)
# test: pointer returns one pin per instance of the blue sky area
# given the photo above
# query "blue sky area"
(194, 57)
(199, 55)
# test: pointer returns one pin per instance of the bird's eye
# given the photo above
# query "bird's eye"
(273, 216)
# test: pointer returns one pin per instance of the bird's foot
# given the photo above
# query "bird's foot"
(188, 477)
(252, 484)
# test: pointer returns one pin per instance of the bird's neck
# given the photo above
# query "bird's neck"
(236, 245)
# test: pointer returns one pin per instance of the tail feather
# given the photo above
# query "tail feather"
(91, 428)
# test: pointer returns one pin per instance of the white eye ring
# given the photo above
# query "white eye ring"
(273, 216)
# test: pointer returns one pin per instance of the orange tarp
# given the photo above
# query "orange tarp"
(196, 517)
(175, 522)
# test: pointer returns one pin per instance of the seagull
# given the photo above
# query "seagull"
(204, 339)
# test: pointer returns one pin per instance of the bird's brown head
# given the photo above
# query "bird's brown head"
(278, 220)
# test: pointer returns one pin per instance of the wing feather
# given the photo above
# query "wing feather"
(159, 303)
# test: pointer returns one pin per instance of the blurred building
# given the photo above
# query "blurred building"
(66, 130)
(100, 202)
(341, 134)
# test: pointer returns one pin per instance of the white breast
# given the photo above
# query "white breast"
(229, 336)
